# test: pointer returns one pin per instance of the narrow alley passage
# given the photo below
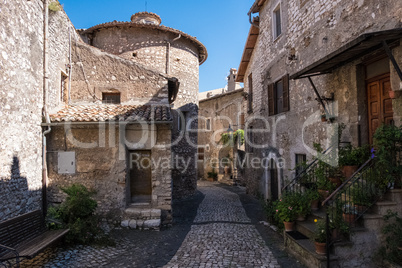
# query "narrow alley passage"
(222, 235)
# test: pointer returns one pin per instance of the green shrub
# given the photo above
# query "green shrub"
(78, 214)
(393, 241)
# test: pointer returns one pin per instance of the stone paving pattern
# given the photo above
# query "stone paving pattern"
(211, 229)
(222, 235)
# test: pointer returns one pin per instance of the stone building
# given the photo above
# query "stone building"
(26, 94)
(74, 113)
(143, 40)
(290, 42)
(220, 110)
(305, 60)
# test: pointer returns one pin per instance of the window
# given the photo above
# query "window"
(111, 98)
(208, 124)
(300, 159)
(201, 153)
(277, 21)
(63, 87)
(250, 93)
(278, 96)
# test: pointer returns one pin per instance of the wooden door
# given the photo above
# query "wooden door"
(140, 176)
(379, 104)
(274, 180)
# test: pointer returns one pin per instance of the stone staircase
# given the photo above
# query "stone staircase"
(355, 251)
(141, 217)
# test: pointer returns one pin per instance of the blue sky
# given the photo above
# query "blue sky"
(221, 25)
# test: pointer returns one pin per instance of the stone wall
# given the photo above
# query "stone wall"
(156, 49)
(21, 99)
(222, 110)
(102, 164)
(96, 72)
(310, 31)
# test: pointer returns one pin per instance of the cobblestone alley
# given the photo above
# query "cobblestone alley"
(220, 233)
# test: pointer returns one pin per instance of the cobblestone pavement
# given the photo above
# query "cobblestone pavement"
(213, 228)
(222, 235)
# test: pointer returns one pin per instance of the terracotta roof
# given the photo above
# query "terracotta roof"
(247, 52)
(256, 7)
(202, 51)
(113, 112)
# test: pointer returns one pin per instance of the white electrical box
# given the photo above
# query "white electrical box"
(66, 163)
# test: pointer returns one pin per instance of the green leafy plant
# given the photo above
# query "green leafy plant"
(388, 153)
(336, 220)
(212, 174)
(302, 204)
(362, 196)
(78, 214)
(353, 156)
(55, 6)
(392, 250)
(313, 194)
(320, 234)
(286, 208)
(232, 138)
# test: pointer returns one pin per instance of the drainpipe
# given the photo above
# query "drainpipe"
(70, 66)
(45, 91)
(168, 54)
(251, 20)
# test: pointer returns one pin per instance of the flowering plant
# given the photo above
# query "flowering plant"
(320, 234)
(286, 208)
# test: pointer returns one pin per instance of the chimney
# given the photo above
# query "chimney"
(232, 79)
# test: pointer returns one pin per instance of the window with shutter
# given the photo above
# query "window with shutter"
(271, 100)
(278, 96)
(250, 93)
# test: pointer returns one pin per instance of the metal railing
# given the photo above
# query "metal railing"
(350, 201)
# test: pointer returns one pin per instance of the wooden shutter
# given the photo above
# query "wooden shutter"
(286, 104)
(271, 100)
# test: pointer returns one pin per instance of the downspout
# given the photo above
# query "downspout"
(251, 21)
(45, 91)
(70, 66)
(168, 54)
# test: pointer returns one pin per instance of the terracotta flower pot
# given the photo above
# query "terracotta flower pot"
(349, 170)
(391, 94)
(314, 204)
(324, 193)
(288, 226)
(320, 248)
(349, 218)
(335, 235)
(336, 180)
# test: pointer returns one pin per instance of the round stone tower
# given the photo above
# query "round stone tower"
(144, 40)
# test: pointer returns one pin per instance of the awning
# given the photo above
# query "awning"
(359, 47)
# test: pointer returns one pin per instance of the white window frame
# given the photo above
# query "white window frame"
(274, 26)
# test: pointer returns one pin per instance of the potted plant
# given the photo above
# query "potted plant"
(314, 196)
(302, 205)
(388, 145)
(335, 176)
(337, 225)
(362, 197)
(351, 158)
(286, 211)
(320, 237)
(349, 214)
(212, 175)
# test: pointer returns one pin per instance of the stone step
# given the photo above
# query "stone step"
(382, 207)
(394, 195)
(304, 251)
(141, 217)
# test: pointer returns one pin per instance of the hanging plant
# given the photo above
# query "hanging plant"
(55, 6)
(238, 136)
